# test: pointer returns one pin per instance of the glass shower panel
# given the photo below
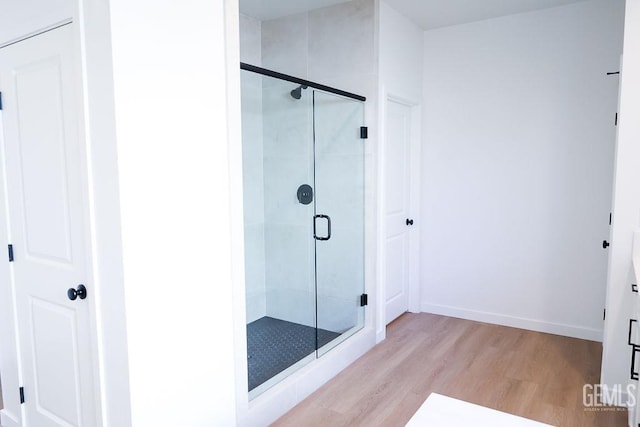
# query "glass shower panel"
(339, 217)
(279, 253)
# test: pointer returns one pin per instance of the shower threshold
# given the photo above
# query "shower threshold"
(273, 345)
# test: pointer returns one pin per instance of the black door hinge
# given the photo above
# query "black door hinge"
(616, 119)
(364, 300)
(610, 215)
(21, 395)
(364, 132)
(0, 100)
(10, 249)
(604, 314)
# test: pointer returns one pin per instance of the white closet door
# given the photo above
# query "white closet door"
(45, 169)
(397, 222)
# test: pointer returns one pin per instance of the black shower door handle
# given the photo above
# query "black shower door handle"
(315, 219)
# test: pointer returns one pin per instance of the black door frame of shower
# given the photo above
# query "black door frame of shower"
(296, 80)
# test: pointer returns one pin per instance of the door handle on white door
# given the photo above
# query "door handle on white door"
(409, 221)
(81, 293)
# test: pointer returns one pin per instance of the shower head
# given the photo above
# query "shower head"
(297, 92)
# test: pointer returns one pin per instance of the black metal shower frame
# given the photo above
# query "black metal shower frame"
(275, 74)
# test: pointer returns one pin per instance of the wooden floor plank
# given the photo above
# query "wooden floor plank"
(530, 374)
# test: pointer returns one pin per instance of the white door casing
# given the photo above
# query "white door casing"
(396, 208)
(45, 169)
(11, 412)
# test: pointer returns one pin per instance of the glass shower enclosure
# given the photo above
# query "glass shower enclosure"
(303, 171)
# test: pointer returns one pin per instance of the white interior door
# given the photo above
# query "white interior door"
(44, 167)
(397, 221)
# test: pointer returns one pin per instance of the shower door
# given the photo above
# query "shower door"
(303, 224)
(279, 252)
(339, 206)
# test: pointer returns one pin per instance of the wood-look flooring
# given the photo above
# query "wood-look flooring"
(530, 374)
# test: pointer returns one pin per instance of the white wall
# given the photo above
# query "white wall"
(94, 33)
(401, 53)
(517, 167)
(250, 40)
(616, 358)
(253, 170)
(253, 178)
(170, 80)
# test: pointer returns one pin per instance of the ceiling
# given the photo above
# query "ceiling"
(428, 14)
(265, 10)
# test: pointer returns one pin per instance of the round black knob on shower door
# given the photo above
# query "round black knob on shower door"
(81, 293)
(409, 221)
(605, 244)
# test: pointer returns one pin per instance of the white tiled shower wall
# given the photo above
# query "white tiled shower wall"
(252, 154)
(334, 46)
(288, 163)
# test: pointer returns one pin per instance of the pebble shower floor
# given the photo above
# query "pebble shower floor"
(273, 345)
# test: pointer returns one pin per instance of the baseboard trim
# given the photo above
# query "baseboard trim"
(515, 322)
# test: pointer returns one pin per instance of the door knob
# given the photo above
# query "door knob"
(409, 221)
(81, 293)
(605, 244)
